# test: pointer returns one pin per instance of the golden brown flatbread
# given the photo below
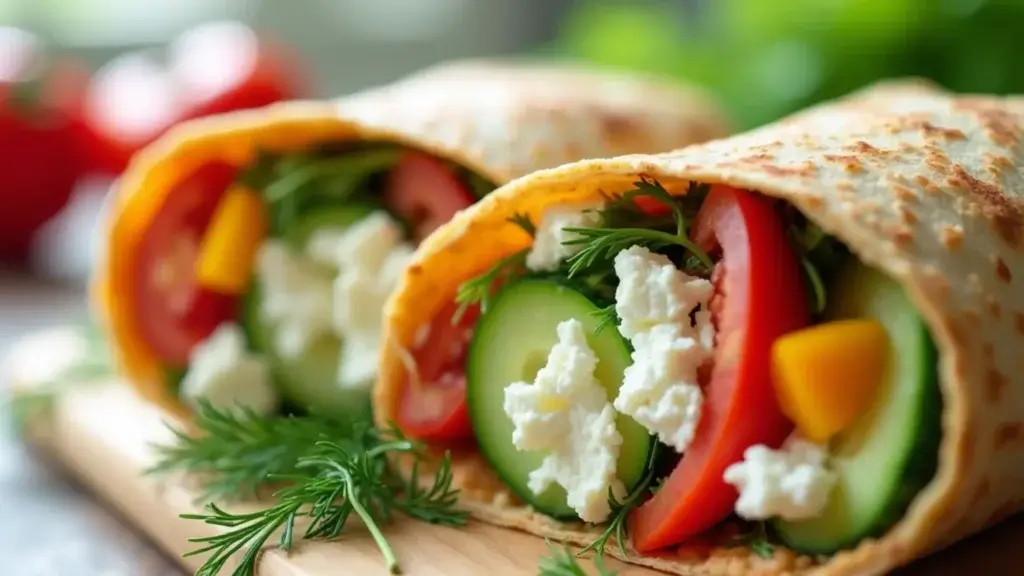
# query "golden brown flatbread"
(923, 184)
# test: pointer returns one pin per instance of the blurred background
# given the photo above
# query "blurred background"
(119, 72)
(86, 83)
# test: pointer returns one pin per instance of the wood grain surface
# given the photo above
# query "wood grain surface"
(102, 433)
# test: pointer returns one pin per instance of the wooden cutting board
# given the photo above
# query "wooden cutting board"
(102, 433)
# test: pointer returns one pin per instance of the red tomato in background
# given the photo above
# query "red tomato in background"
(128, 103)
(38, 163)
(223, 66)
(173, 312)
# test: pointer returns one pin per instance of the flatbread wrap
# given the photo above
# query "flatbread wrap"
(247, 256)
(792, 350)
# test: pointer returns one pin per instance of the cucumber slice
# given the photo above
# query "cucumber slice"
(309, 381)
(511, 343)
(890, 453)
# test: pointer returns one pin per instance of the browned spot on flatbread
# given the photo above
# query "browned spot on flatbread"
(996, 164)
(992, 306)
(929, 186)
(865, 149)
(907, 215)
(972, 317)
(904, 193)
(804, 169)
(936, 159)
(1008, 434)
(930, 129)
(845, 186)
(1003, 271)
(982, 491)
(851, 164)
(615, 127)
(1004, 214)
(1001, 126)
(988, 351)
(996, 382)
(955, 330)
(951, 236)
(1018, 322)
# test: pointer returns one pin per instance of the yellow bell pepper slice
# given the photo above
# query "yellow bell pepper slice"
(228, 253)
(827, 375)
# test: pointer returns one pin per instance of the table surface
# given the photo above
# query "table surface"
(48, 525)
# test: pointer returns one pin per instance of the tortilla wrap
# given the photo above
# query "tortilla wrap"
(920, 183)
(501, 126)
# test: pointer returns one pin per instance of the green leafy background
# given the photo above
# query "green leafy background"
(766, 58)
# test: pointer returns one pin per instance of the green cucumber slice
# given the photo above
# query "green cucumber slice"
(890, 453)
(511, 343)
(309, 381)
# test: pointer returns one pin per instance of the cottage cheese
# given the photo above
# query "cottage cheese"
(296, 298)
(654, 300)
(371, 257)
(792, 483)
(566, 413)
(223, 373)
(548, 250)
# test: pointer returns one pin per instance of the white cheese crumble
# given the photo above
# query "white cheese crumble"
(371, 257)
(303, 302)
(654, 300)
(295, 297)
(225, 374)
(566, 413)
(792, 483)
(548, 251)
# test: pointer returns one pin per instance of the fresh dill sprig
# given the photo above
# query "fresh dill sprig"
(236, 451)
(757, 540)
(601, 245)
(620, 511)
(817, 284)
(607, 316)
(562, 562)
(482, 289)
(330, 486)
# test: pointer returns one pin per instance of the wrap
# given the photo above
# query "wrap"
(499, 120)
(922, 184)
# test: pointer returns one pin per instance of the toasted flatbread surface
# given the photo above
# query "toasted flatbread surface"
(920, 183)
(502, 120)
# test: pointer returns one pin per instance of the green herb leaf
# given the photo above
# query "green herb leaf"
(479, 185)
(757, 540)
(607, 317)
(562, 562)
(620, 512)
(331, 485)
(482, 289)
(237, 451)
(600, 245)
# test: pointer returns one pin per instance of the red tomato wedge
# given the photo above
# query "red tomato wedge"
(425, 192)
(434, 408)
(761, 297)
(172, 311)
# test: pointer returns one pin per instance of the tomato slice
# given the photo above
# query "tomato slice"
(424, 191)
(434, 408)
(760, 297)
(172, 311)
